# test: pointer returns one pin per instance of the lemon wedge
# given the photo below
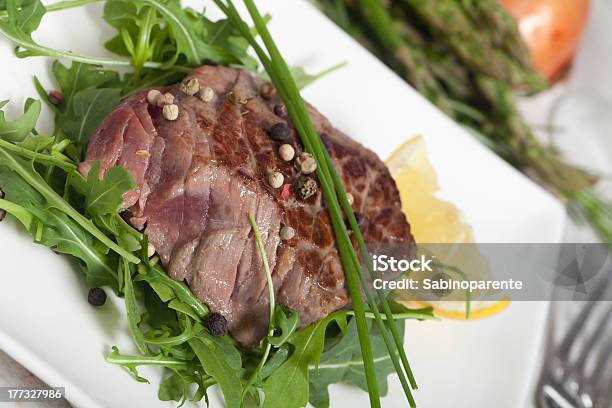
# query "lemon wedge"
(438, 225)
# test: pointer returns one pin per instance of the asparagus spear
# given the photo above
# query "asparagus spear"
(500, 27)
(401, 53)
(449, 24)
(467, 57)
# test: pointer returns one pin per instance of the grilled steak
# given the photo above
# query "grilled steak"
(199, 175)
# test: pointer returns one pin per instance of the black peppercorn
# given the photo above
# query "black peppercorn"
(280, 132)
(280, 110)
(96, 297)
(216, 324)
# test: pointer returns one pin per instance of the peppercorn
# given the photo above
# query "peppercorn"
(2, 212)
(190, 86)
(152, 96)
(56, 98)
(286, 152)
(96, 297)
(276, 179)
(207, 94)
(267, 90)
(287, 233)
(305, 188)
(170, 112)
(306, 163)
(216, 324)
(280, 110)
(165, 99)
(280, 132)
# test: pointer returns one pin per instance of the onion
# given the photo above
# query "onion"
(551, 29)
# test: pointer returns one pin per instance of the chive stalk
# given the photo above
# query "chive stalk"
(266, 266)
(282, 79)
(280, 75)
(380, 294)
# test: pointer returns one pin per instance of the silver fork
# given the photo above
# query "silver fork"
(577, 372)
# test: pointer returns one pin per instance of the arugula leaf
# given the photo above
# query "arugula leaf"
(132, 362)
(127, 237)
(278, 358)
(37, 143)
(168, 289)
(133, 310)
(163, 337)
(139, 31)
(80, 76)
(161, 30)
(288, 385)
(106, 196)
(30, 176)
(342, 363)
(24, 17)
(18, 129)
(211, 352)
(23, 216)
(286, 324)
(60, 232)
(190, 34)
(303, 79)
(88, 109)
(183, 308)
(173, 388)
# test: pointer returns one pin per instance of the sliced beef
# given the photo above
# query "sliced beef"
(199, 176)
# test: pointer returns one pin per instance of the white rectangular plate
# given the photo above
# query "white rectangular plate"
(47, 325)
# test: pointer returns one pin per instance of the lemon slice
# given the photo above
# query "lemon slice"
(438, 226)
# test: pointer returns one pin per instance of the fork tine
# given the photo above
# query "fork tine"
(601, 376)
(578, 323)
(589, 343)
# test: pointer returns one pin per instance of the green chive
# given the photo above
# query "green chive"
(280, 75)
